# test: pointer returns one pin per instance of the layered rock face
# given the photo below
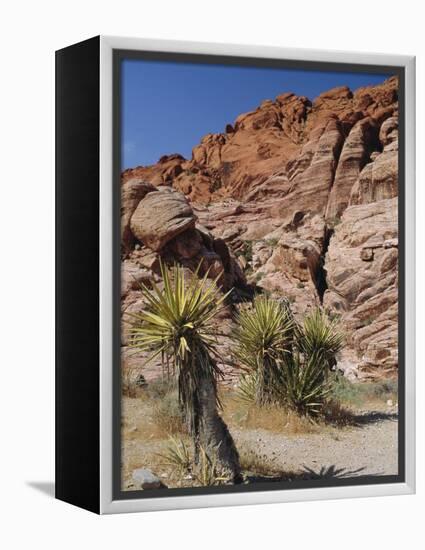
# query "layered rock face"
(298, 198)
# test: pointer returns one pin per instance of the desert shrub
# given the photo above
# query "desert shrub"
(262, 336)
(385, 388)
(273, 242)
(131, 382)
(246, 251)
(259, 276)
(167, 413)
(159, 388)
(256, 462)
(333, 222)
(273, 418)
(359, 393)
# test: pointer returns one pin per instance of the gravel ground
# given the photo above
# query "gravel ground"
(369, 448)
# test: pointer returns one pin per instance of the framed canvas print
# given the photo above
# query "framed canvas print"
(235, 274)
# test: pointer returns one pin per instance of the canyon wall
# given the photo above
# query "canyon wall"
(297, 198)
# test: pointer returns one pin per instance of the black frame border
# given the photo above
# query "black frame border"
(120, 55)
(77, 183)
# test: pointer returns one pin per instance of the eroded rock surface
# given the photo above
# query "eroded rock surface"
(298, 198)
(362, 279)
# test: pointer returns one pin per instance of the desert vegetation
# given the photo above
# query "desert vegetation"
(259, 297)
(286, 384)
(176, 324)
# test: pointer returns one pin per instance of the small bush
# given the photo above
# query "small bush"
(272, 242)
(246, 251)
(360, 393)
(259, 276)
(167, 413)
(131, 383)
(285, 363)
(365, 322)
(333, 222)
(257, 463)
(159, 388)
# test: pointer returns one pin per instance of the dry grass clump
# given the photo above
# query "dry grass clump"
(257, 463)
(154, 414)
(132, 382)
(167, 414)
(273, 418)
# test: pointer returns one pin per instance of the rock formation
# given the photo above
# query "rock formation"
(297, 198)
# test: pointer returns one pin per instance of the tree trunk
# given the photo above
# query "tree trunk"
(215, 436)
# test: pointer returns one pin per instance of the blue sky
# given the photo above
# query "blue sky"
(168, 106)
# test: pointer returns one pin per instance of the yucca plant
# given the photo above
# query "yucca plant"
(176, 456)
(177, 325)
(319, 333)
(208, 471)
(306, 380)
(263, 335)
(247, 387)
(305, 389)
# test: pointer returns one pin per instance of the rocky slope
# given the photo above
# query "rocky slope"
(298, 198)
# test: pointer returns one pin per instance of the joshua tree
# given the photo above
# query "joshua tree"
(176, 324)
(263, 335)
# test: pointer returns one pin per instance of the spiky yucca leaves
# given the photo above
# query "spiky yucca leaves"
(302, 356)
(208, 472)
(247, 387)
(319, 333)
(176, 456)
(305, 389)
(263, 334)
(176, 324)
(306, 381)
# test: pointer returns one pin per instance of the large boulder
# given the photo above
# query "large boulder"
(132, 192)
(160, 217)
